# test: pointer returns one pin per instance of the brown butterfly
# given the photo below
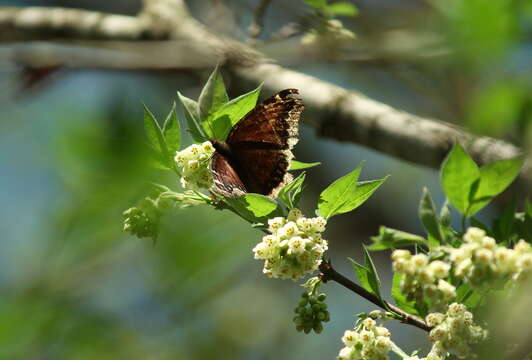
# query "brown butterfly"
(256, 155)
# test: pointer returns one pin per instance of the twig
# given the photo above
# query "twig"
(329, 273)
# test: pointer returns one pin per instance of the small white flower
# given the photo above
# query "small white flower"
(275, 224)
(345, 353)
(369, 323)
(484, 256)
(366, 336)
(474, 234)
(383, 344)
(420, 260)
(401, 255)
(319, 224)
(288, 230)
(440, 269)
(448, 290)
(350, 338)
(382, 331)
(296, 245)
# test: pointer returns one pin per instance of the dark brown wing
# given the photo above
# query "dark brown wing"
(262, 170)
(225, 177)
(273, 122)
(260, 143)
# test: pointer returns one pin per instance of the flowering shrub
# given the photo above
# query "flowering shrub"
(440, 280)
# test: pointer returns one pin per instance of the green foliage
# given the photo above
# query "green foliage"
(469, 188)
(213, 96)
(298, 165)
(190, 110)
(431, 222)
(291, 193)
(156, 138)
(172, 132)
(255, 208)
(399, 297)
(340, 8)
(367, 274)
(232, 112)
(390, 239)
(346, 194)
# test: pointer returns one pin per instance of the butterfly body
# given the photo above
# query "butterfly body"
(256, 154)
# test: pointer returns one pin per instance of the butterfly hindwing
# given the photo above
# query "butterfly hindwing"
(264, 170)
(225, 177)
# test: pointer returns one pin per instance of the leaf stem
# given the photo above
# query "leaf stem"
(329, 273)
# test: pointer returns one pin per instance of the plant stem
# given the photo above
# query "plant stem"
(329, 273)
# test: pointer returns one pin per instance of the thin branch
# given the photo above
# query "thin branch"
(256, 27)
(329, 273)
(335, 112)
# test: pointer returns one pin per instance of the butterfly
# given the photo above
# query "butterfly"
(256, 154)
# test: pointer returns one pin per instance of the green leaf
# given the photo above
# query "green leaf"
(317, 4)
(298, 165)
(504, 224)
(255, 207)
(172, 132)
(367, 274)
(390, 239)
(427, 214)
(342, 9)
(232, 112)
(155, 137)
(190, 109)
(362, 193)
(458, 175)
(290, 193)
(494, 179)
(335, 195)
(400, 298)
(213, 96)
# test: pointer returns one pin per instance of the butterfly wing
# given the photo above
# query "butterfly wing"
(273, 122)
(225, 177)
(260, 143)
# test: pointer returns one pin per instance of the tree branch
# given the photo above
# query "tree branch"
(335, 112)
(329, 273)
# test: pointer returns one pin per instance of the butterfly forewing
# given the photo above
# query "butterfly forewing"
(259, 146)
(274, 121)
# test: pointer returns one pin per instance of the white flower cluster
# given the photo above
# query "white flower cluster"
(423, 277)
(480, 258)
(454, 332)
(368, 342)
(194, 164)
(295, 246)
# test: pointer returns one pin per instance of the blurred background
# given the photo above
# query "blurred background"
(73, 158)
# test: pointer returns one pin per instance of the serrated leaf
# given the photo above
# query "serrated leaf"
(255, 207)
(213, 96)
(458, 175)
(172, 132)
(389, 238)
(190, 109)
(363, 191)
(494, 179)
(342, 9)
(398, 297)
(155, 136)
(298, 165)
(367, 274)
(335, 195)
(361, 273)
(290, 193)
(232, 112)
(427, 215)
